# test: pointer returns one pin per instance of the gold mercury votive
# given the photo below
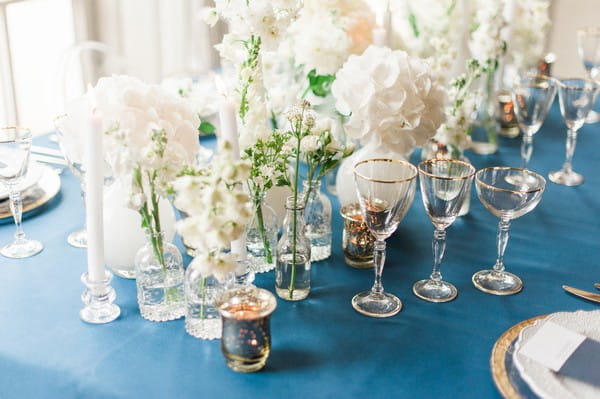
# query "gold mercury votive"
(357, 240)
(509, 127)
(246, 335)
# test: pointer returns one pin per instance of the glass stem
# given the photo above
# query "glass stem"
(526, 149)
(439, 247)
(16, 207)
(570, 150)
(503, 227)
(379, 261)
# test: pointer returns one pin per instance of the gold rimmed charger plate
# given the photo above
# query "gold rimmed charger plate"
(503, 348)
(36, 196)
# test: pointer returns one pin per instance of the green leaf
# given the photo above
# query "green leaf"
(206, 128)
(412, 20)
(320, 85)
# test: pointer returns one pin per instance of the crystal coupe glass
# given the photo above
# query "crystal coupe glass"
(532, 97)
(588, 44)
(445, 184)
(507, 201)
(71, 149)
(15, 144)
(386, 189)
(576, 98)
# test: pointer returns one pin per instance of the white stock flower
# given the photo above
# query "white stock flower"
(529, 26)
(393, 99)
(486, 41)
(219, 265)
(328, 31)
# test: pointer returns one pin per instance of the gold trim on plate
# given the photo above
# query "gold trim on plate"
(498, 358)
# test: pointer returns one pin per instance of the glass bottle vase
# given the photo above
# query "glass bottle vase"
(292, 272)
(159, 280)
(261, 237)
(484, 130)
(202, 319)
(317, 218)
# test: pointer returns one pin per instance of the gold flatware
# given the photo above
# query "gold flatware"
(597, 285)
(590, 296)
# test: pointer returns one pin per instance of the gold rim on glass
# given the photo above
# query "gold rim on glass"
(479, 172)
(587, 80)
(411, 167)
(536, 75)
(455, 161)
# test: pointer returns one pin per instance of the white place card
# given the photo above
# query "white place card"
(565, 352)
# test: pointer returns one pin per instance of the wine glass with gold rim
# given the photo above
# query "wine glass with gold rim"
(445, 184)
(507, 201)
(386, 189)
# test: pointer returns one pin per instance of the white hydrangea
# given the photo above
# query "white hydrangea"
(392, 99)
(202, 95)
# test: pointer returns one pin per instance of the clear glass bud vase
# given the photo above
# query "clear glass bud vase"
(202, 319)
(317, 217)
(159, 280)
(292, 272)
(261, 237)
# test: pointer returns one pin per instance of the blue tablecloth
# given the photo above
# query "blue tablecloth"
(321, 346)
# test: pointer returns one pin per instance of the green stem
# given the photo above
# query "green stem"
(294, 221)
(263, 233)
(203, 289)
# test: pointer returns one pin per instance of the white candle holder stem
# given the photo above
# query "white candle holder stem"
(98, 299)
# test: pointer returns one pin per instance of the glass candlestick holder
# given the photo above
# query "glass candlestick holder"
(98, 299)
(246, 333)
(357, 240)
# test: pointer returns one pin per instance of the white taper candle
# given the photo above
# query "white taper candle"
(94, 177)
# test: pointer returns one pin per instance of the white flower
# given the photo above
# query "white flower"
(219, 265)
(393, 99)
(529, 25)
(486, 41)
(309, 143)
(328, 31)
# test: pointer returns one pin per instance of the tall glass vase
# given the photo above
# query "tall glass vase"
(202, 318)
(292, 273)
(261, 237)
(159, 280)
(317, 218)
(484, 130)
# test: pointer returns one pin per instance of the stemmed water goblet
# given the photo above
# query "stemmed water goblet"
(576, 98)
(532, 94)
(386, 189)
(445, 184)
(15, 144)
(72, 151)
(588, 43)
(507, 201)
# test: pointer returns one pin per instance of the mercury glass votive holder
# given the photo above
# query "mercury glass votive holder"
(509, 126)
(357, 240)
(246, 334)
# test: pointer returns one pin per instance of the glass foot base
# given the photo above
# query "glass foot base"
(566, 179)
(124, 273)
(78, 239)
(497, 283)
(483, 148)
(435, 291)
(100, 315)
(521, 179)
(593, 117)
(376, 305)
(23, 249)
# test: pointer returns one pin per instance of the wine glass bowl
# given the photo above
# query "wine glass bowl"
(588, 44)
(72, 149)
(385, 189)
(506, 201)
(533, 95)
(576, 98)
(15, 145)
(445, 185)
